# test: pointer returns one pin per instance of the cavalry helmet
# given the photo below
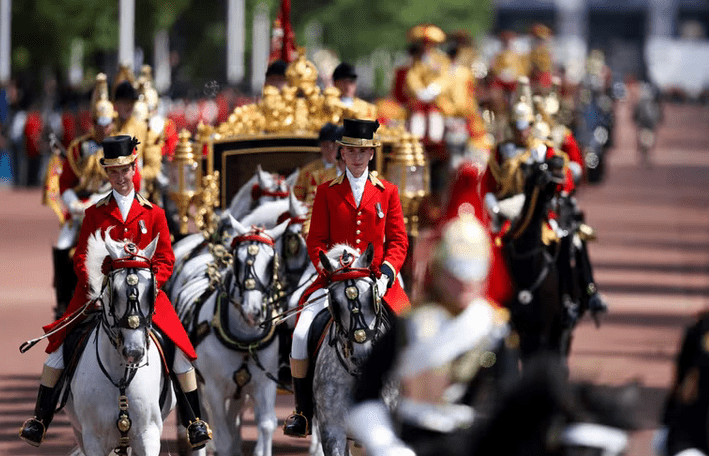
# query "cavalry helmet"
(463, 249)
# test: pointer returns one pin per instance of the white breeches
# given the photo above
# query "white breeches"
(181, 364)
(299, 349)
(67, 235)
(56, 358)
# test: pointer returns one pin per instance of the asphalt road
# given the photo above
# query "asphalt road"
(651, 260)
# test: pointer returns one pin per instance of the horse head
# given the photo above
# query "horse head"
(541, 178)
(295, 252)
(356, 309)
(128, 294)
(256, 270)
(269, 187)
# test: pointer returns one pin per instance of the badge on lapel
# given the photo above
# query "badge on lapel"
(143, 229)
(378, 207)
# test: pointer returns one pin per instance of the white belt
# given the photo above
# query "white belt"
(442, 418)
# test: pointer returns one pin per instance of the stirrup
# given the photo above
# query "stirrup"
(198, 433)
(297, 425)
(33, 432)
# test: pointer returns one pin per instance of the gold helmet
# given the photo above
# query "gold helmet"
(101, 109)
(427, 33)
(463, 249)
(146, 90)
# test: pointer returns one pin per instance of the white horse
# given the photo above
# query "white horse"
(120, 374)
(358, 320)
(262, 187)
(235, 335)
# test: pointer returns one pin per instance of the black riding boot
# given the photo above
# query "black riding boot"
(298, 424)
(64, 279)
(285, 341)
(34, 429)
(198, 431)
(593, 298)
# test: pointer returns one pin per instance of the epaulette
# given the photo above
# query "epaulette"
(338, 180)
(376, 181)
(142, 200)
(105, 200)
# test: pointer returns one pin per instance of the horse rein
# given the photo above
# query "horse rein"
(274, 291)
(359, 331)
(133, 318)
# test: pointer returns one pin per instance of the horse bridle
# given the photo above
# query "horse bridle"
(250, 281)
(358, 331)
(133, 317)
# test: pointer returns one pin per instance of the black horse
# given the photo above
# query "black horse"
(542, 413)
(686, 411)
(537, 311)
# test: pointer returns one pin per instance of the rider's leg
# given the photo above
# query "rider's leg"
(198, 431)
(596, 303)
(34, 429)
(298, 423)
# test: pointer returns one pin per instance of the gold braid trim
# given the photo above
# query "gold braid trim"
(50, 193)
(509, 176)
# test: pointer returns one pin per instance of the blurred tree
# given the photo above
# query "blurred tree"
(356, 28)
(42, 30)
(45, 29)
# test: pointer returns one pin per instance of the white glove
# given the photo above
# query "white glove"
(369, 423)
(429, 93)
(77, 209)
(382, 285)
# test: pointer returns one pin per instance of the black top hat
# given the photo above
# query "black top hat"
(344, 71)
(330, 132)
(126, 91)
(118, 150)
(277, 68)
(359, 133)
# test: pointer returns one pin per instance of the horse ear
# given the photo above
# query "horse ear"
(278, 231)
(263, 177)
(325, 262)
(293, 178)
(115, 249)
(368, 255)
(150, 249)
(238, 227)
(295, 207)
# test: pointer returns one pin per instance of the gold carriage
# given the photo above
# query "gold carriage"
(280, 133)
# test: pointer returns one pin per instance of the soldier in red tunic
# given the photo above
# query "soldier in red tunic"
(132, 217)
(356, 209)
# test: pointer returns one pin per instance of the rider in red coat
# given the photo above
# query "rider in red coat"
(355, 209)
(131, 217)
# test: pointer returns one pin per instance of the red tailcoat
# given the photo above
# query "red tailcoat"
(379, 219)
(105, 214)
(572, 149)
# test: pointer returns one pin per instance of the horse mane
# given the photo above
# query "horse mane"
(337, 250)
(96, 251)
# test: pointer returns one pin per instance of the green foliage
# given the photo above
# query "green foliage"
(45, 28)
(355, 28)
(42, 30)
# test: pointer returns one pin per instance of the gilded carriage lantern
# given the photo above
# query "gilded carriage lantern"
(185, 173)
(407, 167)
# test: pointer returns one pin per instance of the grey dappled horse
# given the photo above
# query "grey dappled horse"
(358, 320)
(120, 359)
